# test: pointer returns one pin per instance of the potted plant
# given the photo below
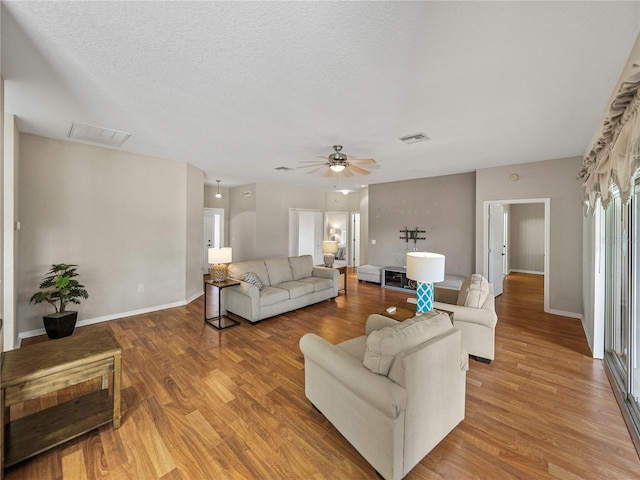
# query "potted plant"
(59, 287)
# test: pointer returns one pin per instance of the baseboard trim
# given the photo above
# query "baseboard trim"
(566, 314)
(115, 316)
(532, 272)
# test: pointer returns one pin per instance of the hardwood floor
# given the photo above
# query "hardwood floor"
(204, 404)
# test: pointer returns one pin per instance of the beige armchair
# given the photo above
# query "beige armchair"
(394, 393)
(474, 313)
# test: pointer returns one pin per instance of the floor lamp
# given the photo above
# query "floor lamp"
(425, 268)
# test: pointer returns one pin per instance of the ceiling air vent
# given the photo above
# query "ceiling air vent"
(103, 136)
(284, 169)
(414, 138)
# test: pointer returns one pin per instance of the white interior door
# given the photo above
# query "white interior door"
(496, 247)
(305, 234)
(213, 231)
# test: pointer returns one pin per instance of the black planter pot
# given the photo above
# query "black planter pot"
(60, 325)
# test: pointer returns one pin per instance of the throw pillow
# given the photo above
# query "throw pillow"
(384, 344)
(253, 279)
(473, 292)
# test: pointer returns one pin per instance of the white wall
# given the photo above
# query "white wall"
(10, 246)
(557, 180)
(122, 217)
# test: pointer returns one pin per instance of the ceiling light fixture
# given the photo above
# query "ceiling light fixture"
(218, 195)
(337, 168)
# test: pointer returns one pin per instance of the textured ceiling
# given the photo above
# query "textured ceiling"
(240, 88)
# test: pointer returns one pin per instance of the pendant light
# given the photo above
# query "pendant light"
(218, 195)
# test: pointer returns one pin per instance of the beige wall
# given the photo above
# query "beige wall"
(242, 222)
(260, 222)
(194, 231)
(364, 226)
(557, 180)
(526, 237)
(121, 217)
(339, 202)
(443, 206)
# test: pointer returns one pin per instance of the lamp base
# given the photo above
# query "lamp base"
(424, 297)
(218, 272)
(329, 259)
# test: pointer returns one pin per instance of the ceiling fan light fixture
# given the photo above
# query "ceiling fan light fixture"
(337, 168)
(218, 194)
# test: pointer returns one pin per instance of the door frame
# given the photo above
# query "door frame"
(547, 236)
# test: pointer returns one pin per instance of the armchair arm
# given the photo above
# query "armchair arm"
(385, 395)
(480, 316)
(377, 322)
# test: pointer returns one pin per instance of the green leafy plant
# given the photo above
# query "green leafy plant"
(59, 287)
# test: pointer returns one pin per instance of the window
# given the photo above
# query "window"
(622, 308)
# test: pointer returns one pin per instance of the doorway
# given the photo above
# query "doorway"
(494, 269)
(355, 240)
(305, 233)
(213, 232)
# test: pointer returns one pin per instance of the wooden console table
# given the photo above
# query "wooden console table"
(36, 370)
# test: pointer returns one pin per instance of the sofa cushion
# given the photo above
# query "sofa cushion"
(318, 283)
(237, 270)
(272, 295)
(301, 267)
(296, 289)
(253, 279)
(279, 270)
(384, 344)
(474, 291)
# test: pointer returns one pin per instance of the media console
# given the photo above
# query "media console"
(395, 278)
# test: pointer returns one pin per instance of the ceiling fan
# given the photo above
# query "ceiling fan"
(341, 163)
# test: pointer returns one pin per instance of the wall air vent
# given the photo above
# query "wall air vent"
(414, 138)
(284, 169)
(103, 136)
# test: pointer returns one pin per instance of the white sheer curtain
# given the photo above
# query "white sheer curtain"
(614, 155)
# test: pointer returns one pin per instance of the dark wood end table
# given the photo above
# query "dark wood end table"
(222, 321)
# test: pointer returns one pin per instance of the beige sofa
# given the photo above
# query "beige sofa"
(474, 313)
(394, 393)
(277, 285)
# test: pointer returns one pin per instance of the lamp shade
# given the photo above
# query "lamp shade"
(425, 267)
(219, 255)
(329, 246)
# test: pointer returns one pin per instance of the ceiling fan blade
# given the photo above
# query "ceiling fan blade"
(313, 165)
(316, 170)
(359, 170)
(312, 161)
(363, 160)
(347, 171)
(330, 173)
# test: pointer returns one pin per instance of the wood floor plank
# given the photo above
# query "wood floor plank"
(200, 403)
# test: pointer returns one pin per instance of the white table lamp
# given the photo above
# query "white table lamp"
(425, 268)
(329, 248)
(218, 257)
